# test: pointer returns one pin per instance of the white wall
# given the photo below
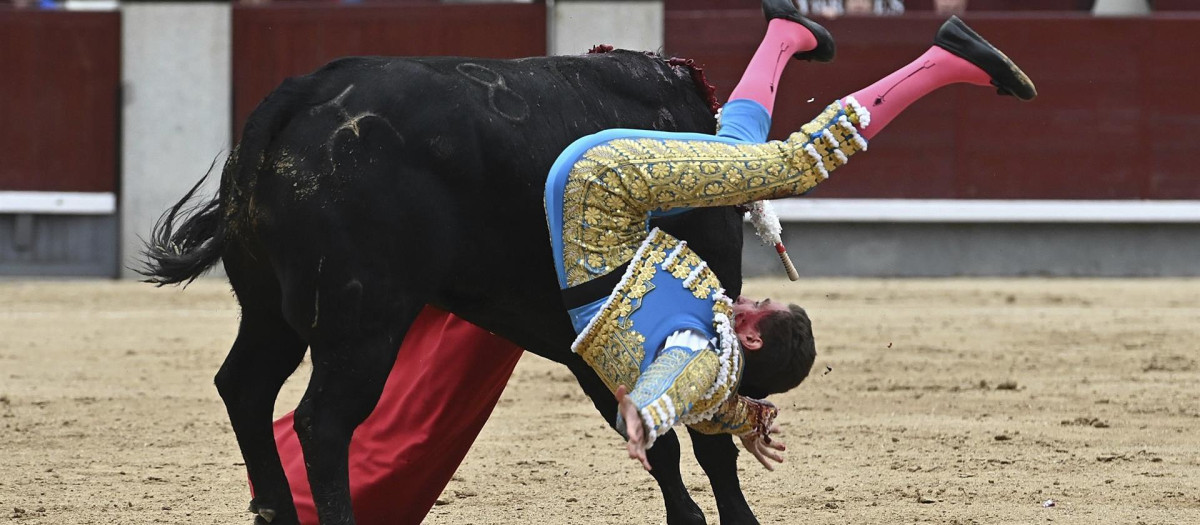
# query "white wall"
(176, 68)
(1120, 7)
(579, 25)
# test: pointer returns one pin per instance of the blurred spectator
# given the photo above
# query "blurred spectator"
(23, 4)
(836, 8)
(822, 8)
(874, 7)
(950, 7)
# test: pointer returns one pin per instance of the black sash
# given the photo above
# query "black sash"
(598, 288)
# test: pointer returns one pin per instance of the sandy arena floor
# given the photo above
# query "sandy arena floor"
(946, 401)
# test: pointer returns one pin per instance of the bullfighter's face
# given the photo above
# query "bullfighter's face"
(746, 315)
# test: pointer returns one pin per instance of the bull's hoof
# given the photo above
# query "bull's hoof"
(264, 515)
(686, 516)
(687, 519)
(743, 517)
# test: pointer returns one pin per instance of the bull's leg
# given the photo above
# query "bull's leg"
(664, 462)
(663, 456)
(265, 353)
(340, 395)
(354, 345)
(717, 455)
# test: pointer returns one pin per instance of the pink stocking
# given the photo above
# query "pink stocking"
(758, 82)
(936, 68)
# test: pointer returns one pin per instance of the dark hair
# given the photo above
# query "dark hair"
(787, 354)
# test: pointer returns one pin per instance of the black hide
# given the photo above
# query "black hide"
(374, 186)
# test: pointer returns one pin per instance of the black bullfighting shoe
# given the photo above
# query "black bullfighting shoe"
(785, 9)
(955, 37)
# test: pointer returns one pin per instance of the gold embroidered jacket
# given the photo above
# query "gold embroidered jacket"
(666, 288)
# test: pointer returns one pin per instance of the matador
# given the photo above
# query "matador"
(650, 315)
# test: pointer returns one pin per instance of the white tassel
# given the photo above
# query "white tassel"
(861, 113)
(691, 278)
(766, 222)
(670, 408)
(661, 412)
(812, 153)
(652, 429)
(828, 135)
(861, 142)
(858, 139)
(669, 262)
(817, 161)
(728, 354)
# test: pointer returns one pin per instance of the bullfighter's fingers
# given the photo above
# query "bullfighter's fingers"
(636, 444)
(761, 456)
(771, 451)
(763, 451)
(633, 427)
(637, 452)
(777, 445)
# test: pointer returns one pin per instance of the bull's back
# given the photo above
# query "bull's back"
(442, 161)
(460, 116)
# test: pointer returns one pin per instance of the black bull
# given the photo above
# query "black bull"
(374, 186)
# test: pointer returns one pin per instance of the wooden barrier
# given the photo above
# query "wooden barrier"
(1115, 117)
(273, 42)
(59, 89)
(915, 6)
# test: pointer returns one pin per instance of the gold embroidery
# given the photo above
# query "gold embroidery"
(615, 349)
(724, 386)
(827, 117)
(613, 186)
(739, 415)
(679, 375)
(610, 345)
(681, 270)
(623, 346)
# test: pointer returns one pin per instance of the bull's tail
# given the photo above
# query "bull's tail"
(179, 252)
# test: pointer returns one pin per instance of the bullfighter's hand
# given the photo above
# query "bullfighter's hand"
(765, 448)
(633, 427)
